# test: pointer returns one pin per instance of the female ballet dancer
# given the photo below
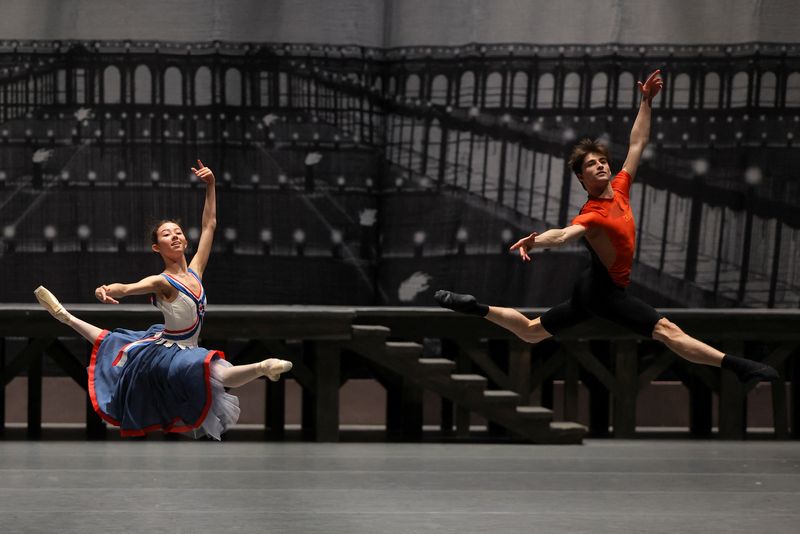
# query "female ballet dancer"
(160, 379)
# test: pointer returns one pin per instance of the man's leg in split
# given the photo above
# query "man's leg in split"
(696, 351)
(239, 375)
(50, 303)
(528, 330)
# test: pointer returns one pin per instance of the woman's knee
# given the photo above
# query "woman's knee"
(665, 330)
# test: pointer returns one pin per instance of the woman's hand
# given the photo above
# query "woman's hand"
(102, 294)
(204, 173)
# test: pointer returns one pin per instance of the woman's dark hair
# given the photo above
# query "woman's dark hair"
(156, 225)
(584, 147)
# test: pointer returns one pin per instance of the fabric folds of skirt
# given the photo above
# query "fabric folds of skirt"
(142, 386)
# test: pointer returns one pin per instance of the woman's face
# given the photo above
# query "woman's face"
(171, 241)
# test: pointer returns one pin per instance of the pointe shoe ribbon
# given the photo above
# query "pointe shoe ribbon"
(50, 303)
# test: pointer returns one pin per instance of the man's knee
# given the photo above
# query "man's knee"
(666, 330)
(535, 332)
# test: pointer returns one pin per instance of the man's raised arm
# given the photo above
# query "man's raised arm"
(640, 133)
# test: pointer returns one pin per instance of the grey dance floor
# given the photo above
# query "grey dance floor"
(206, 487)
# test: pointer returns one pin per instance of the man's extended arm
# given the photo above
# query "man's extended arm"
(640, 133)
(555, 237)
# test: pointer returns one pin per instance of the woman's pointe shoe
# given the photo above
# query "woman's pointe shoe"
(50, 303)
(273, 368)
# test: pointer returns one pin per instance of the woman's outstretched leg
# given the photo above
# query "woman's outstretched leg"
(50, 303)
(239, 375)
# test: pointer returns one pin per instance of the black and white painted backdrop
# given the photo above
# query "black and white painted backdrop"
(368, 152)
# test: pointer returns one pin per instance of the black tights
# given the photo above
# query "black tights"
(596, 294)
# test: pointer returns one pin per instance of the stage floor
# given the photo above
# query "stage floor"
(601, 486)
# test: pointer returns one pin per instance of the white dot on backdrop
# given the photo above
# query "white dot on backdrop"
(753, 176)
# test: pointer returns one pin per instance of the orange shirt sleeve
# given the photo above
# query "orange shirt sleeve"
(622, 183)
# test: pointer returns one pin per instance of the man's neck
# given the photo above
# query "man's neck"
(607, 193)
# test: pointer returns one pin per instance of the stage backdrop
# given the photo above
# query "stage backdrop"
(369, 152)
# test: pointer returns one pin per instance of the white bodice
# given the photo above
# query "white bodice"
(183, 317)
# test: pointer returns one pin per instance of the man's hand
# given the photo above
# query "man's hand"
(652, 85)
(102, 295)
(525, 244)
(204, 173)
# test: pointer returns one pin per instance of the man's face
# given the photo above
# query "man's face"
(595, 173)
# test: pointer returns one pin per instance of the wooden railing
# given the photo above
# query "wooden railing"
(612, 364)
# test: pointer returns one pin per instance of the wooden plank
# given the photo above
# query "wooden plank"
(780, 416)
(589, 362)
(462, 422)
(732, 407)
(327, 368)
(486, 365)
(627, 379)
(334, 322)
(553, 364)
(709, 376)
(599, 407)
(462, 366)
(307, 414)
(519, 369)
(2, 386)
(253, 351)
(780, 408)
(69, 363)
(794, 366)
(570, 387)
(95, 426)
(35, 395)
(661, 363)
(720, 324)
(700, 407)
(34, 348)
(275, 398)
(394, 409)
(411, 410)
(446, 416)
(732, 400)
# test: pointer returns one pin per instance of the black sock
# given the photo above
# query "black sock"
(461, 303)
(747, 370)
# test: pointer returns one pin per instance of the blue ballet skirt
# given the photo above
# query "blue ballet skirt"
(141, 385)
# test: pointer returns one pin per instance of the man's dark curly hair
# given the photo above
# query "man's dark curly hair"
(584, 147)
